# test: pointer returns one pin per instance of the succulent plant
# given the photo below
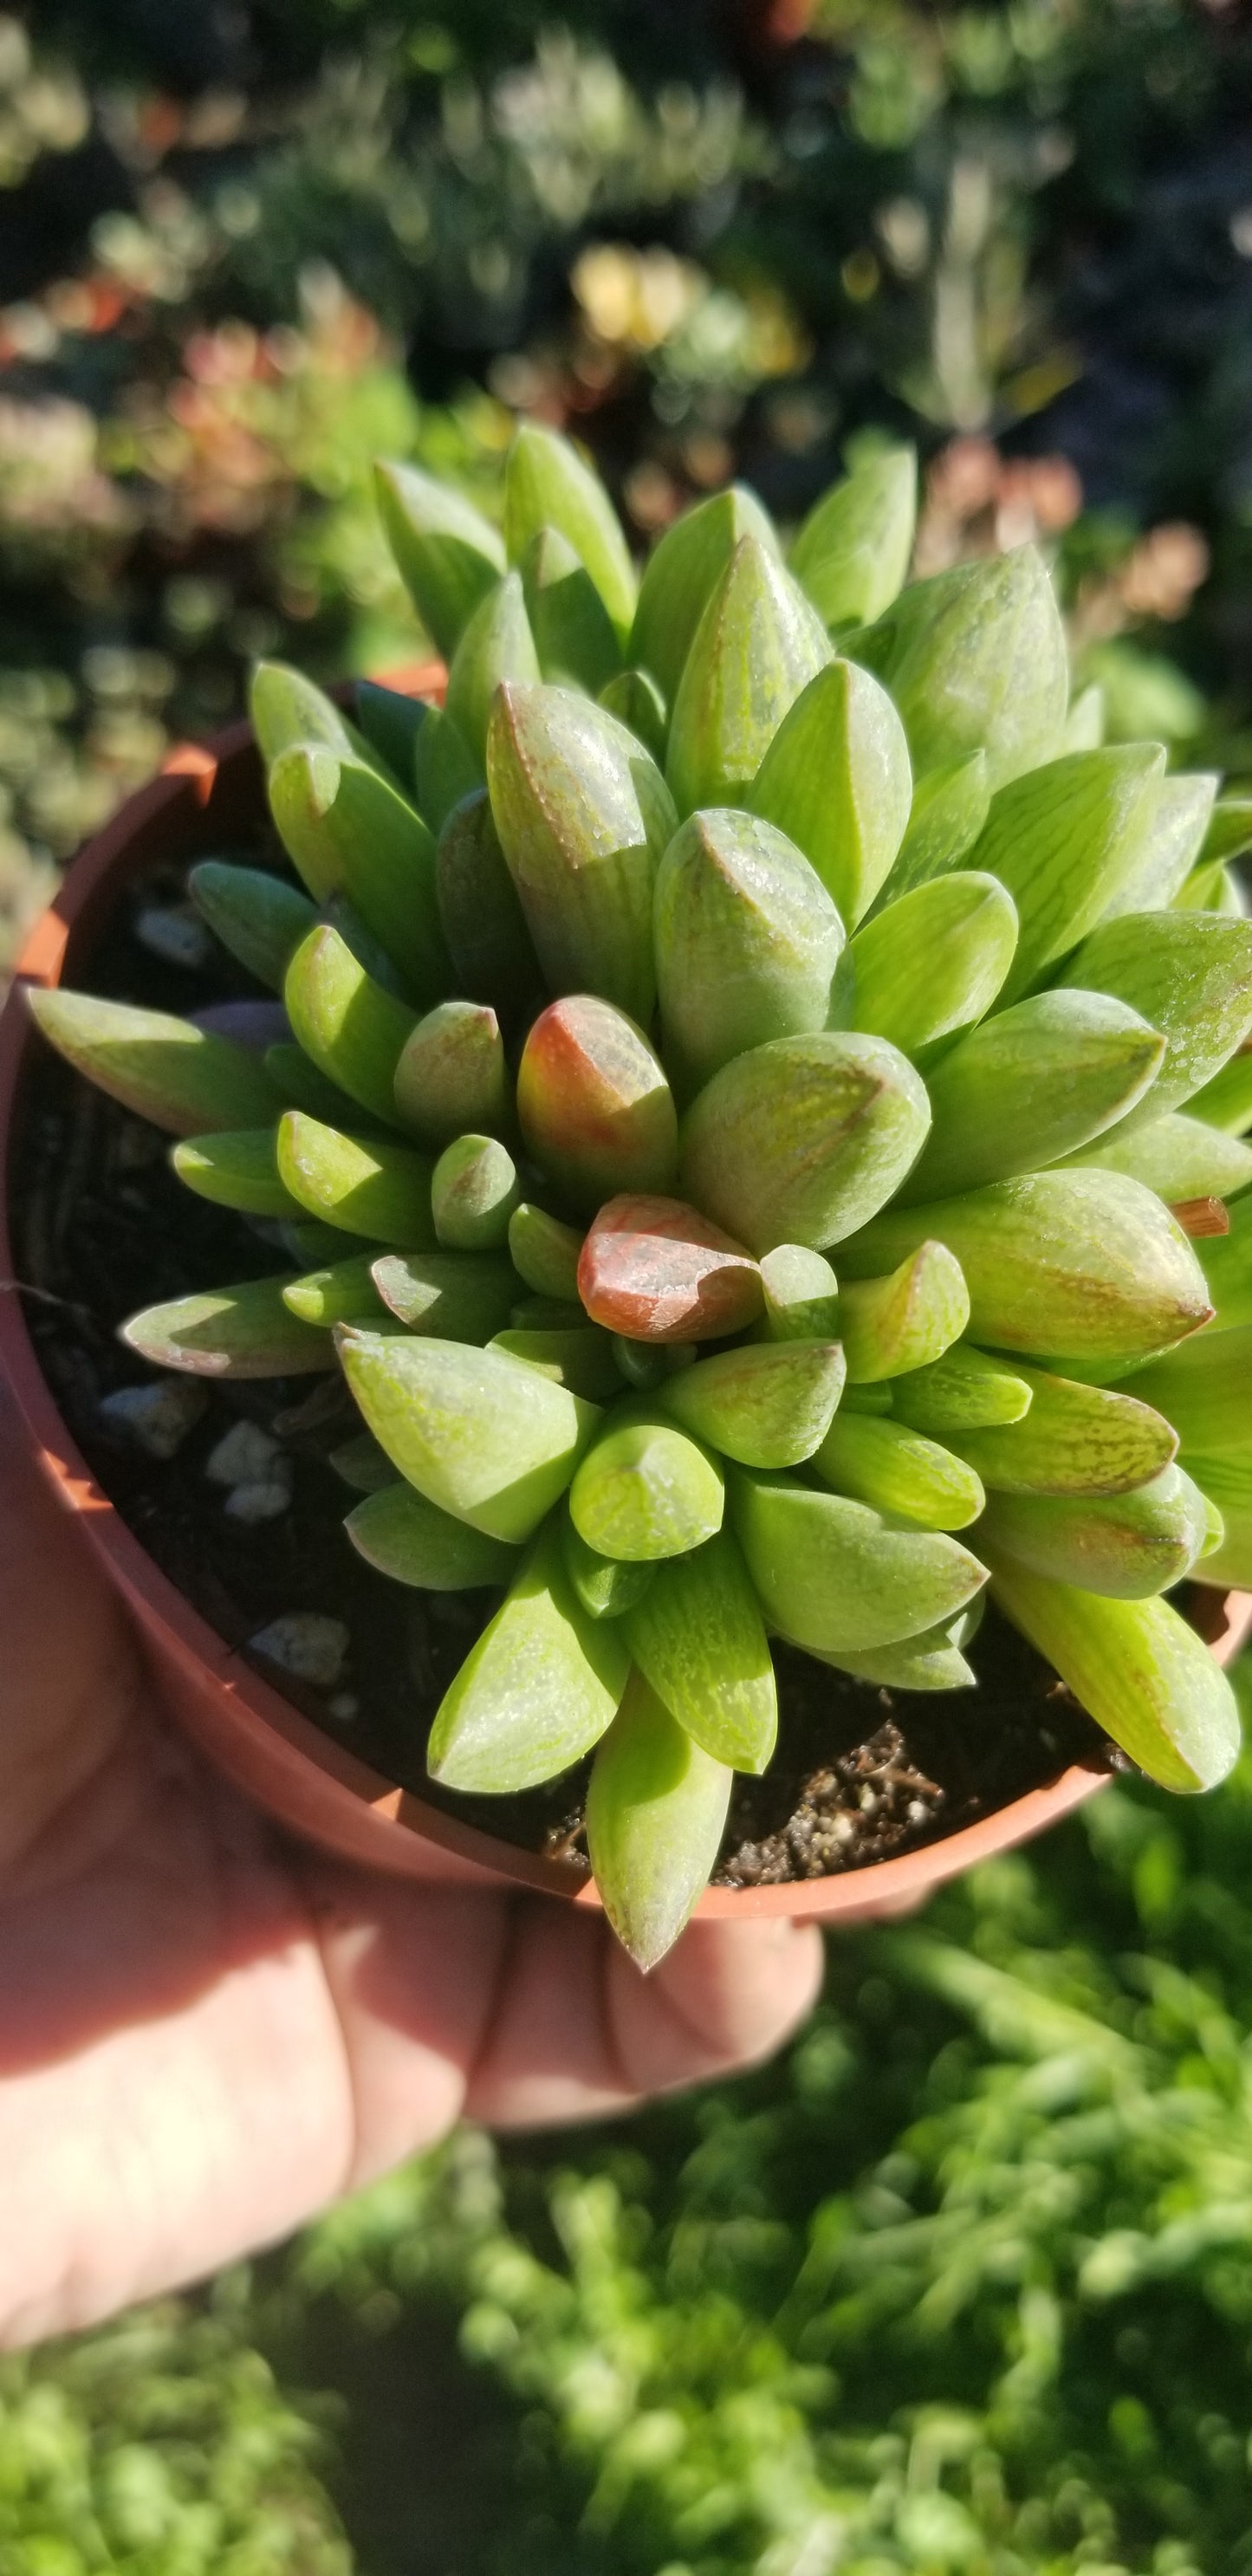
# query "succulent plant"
(762, 1134)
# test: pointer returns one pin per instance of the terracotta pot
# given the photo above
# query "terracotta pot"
(205, 799)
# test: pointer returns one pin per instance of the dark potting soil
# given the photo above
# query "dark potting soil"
(101, 1227)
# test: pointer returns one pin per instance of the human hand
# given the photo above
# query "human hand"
(207, 2034)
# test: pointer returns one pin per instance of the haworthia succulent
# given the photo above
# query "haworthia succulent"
(1190, 975)
(975, 660)
(931, 1662)
(544, 1251)
(1225, 1481)
(341, 1292)
(965, 1390)
(834, 1575)
(350, 831)
(1074, 1439)
(1177, 1156)
(1145, 1676)
(451, 1075)
(583, 815)
(300, 1085)
(803, 1139)
(482, 919)
(363, 1185)
(655, 1270)
(606, 1585)
(536, 1691)
(656, 1809)
(905, 1320)
(402, 1535)
(1205, 1389)
(1170, 845)
(547, 485)
(595, 1108)
(949, 808)
(853, 549)
(1125, 1546)
(931, 965)
(699, 1640)
(747, 941)
(573, 634)
(801, 1295)
(1085, 1265)
(1063, 839)
(579, 1356)
(644, 1489)
(447, 553)
(634, 698)
(474, 1190)
(497, 645)
(240, 1332)
(444, 770)
(767, 1404)
(901, 1472)
(185, 1079)
(459, 1296)
(480, 1434)
(390, 721)
(1086, 721)
(1226, 1101)
(1030, 1085)
(1227, 1264)
(259, 918)
(757, 644)
(236, 1170)
(835, 777)
(681, 575)
(347, 1025)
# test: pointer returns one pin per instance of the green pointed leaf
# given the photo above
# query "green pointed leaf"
(976, 660)
(1140, 1671)
(1226, 1101)
(1171, 844)
(287, 708)
(238, 1169)
(1226, 1261)
(184, 1079)
(852, 552)
(349, 1027)
(634, 698)
(1063, 840)
(444, 770)
(451, 1074)
(473, 1192)
(949, 808)
(757, 645)
(681, 575)
(362, 1185)
(595, 1108)
(1075, 1440)
(931, 1662)
(1037, 1081)
(536, 1691)
(931, 964)
(547, 485)
(836, 778)
(699, 1640)
(349, 831)
(1225, 1483)
(579, 1356)
(544, 1252)
(583, 815)
(411, 1541)
(645, 1489)
(905, 1320)
(833, 1576)
(1191, 976)
(1205, 1389)
(747, 941)
(803, 1139)
(1178, 1157)
(1123, 1546)
(1088, 1265)
(1229, 833)
(965, 1390)
(656, 1813)
(1212, 889)
(458, 1296)
(342, 1292)
(605, 1585)
(244, 1331)
(655, 1271)
(369, 952)
(299, 1085)
(362, 1464)
(497, 645)
(572, 630)
(446, 552)
(483, 922)
(390, 722)
(801, 1295)
(900, 1472)
(1085, 722)
(481, 1435)
(259, 918)
(768, 1404)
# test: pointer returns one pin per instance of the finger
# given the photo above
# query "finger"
(579, 2032)
(68, 1669)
